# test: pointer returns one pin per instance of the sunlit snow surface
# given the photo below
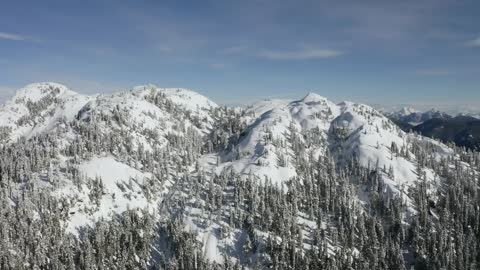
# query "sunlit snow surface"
(114, 200)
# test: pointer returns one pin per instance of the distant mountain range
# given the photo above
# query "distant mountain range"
(414, 118)
(463, 130)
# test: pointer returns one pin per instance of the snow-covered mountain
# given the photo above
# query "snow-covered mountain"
(474, 115)
(348, 129)
(214, 178)
(37, 108)
(142, 120)
(404, 111)
(412, 117)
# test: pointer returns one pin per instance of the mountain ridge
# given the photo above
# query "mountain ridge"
(179, 160)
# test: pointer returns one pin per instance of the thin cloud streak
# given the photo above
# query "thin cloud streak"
(474, 42)
(10, 36)
(305, 54)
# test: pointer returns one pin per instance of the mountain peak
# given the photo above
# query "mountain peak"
(188, 99)
(36, 91)
(407, 111)
(313, 97)
(181, 96)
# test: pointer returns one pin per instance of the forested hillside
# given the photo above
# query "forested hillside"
(154, 178)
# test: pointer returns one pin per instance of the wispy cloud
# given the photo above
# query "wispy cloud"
(433, 72)
(304, 54)
(11, 36)
(19, 37)
(234, 50)
(473, 42)
(165, 49)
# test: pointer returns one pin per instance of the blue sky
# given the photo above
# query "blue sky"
(372, 51)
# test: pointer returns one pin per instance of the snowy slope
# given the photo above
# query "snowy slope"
(133, 119)
(347, 129)
(267, 139)
(150, 128)
(189, 99)
(369, 135)
(143, 149)
(122, 190)
(194, 102)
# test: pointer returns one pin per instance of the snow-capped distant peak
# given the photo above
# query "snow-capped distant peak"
(407, 111)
